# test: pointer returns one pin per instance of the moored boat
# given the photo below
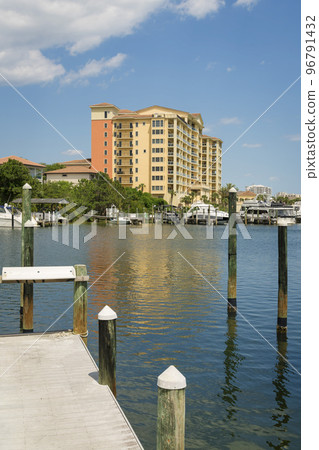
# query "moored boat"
(200, 212)
(9, 217)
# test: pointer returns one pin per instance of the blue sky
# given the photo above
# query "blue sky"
(227, 59)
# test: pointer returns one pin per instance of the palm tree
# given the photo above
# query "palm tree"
(172, 193)
(141, 187)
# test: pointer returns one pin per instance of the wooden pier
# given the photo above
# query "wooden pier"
(51, 398)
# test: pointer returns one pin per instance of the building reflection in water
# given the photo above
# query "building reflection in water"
(232, 361)
(280, 415)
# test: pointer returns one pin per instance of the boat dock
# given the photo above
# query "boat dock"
(51, 398)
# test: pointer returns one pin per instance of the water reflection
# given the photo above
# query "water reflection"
(280, 416)
(232, 361)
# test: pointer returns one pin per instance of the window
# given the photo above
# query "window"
(136, 124)
(144, 150)
(136, 178)
(157, 131)
(136, 133)
(105, 143)
(157, 188)
(105, 125)
(105, 170)
(131, 125)
(114, 133)
(136, 161)
(157, 141)
(115, 170)
(114, 152)
(136, 152)
(136, 169)
(119, 153)
(64, 175)
(131, 179)
(105, 161)
(143, 123)
(157, 123)
(105, 134)
(157, 177)
(105, 114)
(136, 142)
(105, 152)
(120, 134)
(157, 150)
(158, 159)
(120, 179)
(157, 169)
(131, 143)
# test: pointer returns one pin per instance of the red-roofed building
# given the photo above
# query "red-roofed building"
(73, 174)
(35, 169)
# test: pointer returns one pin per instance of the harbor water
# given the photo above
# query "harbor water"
(243, 386)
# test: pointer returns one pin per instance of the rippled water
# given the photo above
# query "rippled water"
(240, 393)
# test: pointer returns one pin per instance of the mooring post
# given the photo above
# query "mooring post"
(26, 215)
(107, 348)
(216, 216)
(208, 218)
(171, 410)
(245, 216)
(282, 279)
(232, 253)
(80, 298)
(28, 250)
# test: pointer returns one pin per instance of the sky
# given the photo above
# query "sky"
(237, 62)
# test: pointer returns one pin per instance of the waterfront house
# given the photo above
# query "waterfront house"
(36, 170)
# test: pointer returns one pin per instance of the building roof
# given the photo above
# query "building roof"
(40, 201)
(24, 161)
(77, 162)
(205, 136)
(102, 105)
(74, 169)
(246, 194)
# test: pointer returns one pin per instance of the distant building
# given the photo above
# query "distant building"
(259, 189)
(162, 149)
(243, 196)
(290, 196)
(77, 162)
(36, 170)
(72, 174)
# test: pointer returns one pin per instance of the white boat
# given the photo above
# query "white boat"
(282, 214)
(255, 211)
(6, 217)
(121, 220)
(198, 213)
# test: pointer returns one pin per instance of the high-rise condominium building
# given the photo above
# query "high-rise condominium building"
(259, 189)
(157, 149)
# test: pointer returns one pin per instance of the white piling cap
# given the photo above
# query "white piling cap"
(107, 314)
(232, 190)
(27, 186)
(29, 224)
(171, 379)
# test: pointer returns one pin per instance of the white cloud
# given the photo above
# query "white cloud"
(94, 68)
(251, 145)
(230, 121)
(249, 4)
(28, 29)
(27, 67)
(199, 8)
(230, 69)
(294, 137)
(273, 178)
(73, 151)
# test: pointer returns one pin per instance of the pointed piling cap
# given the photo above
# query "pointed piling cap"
(27, 186)
(107, 314)
(232, 190)
(171, 379)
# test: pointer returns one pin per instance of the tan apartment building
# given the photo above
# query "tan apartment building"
(161, 150)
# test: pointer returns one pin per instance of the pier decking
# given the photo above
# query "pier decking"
(51, 399)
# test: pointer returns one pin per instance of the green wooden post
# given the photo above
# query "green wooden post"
(245, 216)
(28, 250)
(216, 216)
(282, 280)
(80, 301)
(171, 410)
(232, 253)
(208, 218)
(26, 215)
(107, 348)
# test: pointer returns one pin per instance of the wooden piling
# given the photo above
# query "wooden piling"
(232, 253)
(245, 216)
(171, 410)
(216, 217)
(28, 251)
(282, 280)
(80, 301)
(107, 348)
(26, 215)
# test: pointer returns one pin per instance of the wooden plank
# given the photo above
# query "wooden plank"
(51, 398)
(38, 274)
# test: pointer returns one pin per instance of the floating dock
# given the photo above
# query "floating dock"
(51, 398)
